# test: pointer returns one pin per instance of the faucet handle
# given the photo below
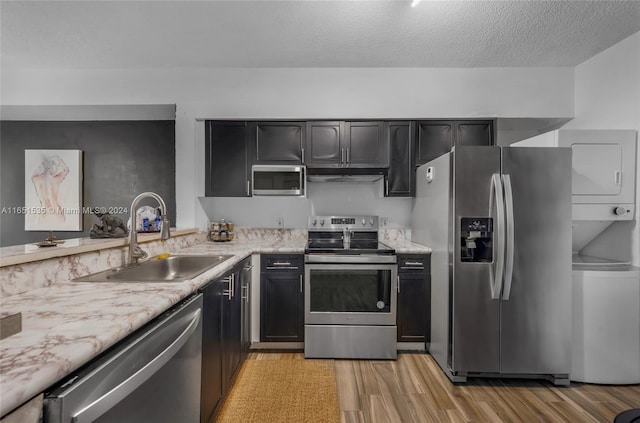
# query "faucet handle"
(139, 253)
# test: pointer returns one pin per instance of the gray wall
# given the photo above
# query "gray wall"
(120, 160)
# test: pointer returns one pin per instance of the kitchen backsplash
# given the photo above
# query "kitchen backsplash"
(323, 199)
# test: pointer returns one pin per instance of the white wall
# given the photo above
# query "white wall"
(607, 96)
(323, 199)
(297, 93)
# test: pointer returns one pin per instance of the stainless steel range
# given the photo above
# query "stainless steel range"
(350, 290)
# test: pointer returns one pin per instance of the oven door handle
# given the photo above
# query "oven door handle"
(282, 267)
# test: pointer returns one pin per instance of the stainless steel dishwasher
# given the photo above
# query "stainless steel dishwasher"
(151, 376)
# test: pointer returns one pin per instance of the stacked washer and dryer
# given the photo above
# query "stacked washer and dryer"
(606, 290)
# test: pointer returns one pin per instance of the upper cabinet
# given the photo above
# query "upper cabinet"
(365, 144)
(436, 137)
(401, 178)
(227, 167)
(393, 147)
(277, 142)
(346, 144)
(324, 147)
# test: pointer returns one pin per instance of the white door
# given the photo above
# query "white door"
(597, 169)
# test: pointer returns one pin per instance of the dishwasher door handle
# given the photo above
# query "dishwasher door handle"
(107, 401)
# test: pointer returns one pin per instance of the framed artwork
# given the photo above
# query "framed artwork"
(53, 190)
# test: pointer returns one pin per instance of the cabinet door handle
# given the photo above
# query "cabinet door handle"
(348, 155)
(229, 291)
(248, 188)
(618, 177)
(245, 293)
(342, 155)
(247, 269)
(281, 263)
(412, 263)
(386, 184)
(303, 156)
(300, 283)
(398, 278)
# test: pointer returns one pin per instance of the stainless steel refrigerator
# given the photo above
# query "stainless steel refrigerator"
(499, 222)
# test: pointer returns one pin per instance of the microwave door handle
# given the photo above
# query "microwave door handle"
(109, 400)
(510, 236)
(497, 200)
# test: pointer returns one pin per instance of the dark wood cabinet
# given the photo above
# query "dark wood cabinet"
(227, 167)
(231, 328)
(211, 386)
(277, 142)
(365, 144)
(328, 147)
(222, 343)
(474, 132)
(401, 178)
(346, 144)
(245, 298)
(281, 298)
(437, 137)
(414, 298)
(324, 144)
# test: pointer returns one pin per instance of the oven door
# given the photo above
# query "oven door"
(350, 294)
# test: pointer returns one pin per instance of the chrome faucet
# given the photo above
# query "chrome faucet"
(135, 252)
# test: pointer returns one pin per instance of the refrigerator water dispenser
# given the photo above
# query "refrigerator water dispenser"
(476, 239)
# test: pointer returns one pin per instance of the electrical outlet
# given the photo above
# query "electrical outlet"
(281, 222)
(385, 222)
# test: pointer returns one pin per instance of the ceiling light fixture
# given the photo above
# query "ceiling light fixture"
(414, 3)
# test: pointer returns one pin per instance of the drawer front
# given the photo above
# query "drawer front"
(282, 262)
(413, 263)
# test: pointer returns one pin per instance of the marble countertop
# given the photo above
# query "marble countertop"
(18, 254)
(69, 323)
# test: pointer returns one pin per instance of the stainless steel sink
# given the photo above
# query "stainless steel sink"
(171, 269)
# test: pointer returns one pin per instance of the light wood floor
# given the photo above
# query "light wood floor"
(414, 389)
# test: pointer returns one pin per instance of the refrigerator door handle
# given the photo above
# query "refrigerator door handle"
(497, 271)
(510, 235)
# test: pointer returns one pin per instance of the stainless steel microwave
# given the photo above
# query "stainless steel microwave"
(278, 180)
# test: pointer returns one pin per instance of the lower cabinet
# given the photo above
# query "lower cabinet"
(231, 328)
(282, 298)
(414, 298)
(223, 349)
(211, 393)
(245, 309)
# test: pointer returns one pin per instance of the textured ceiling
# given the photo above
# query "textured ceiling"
(151, 34)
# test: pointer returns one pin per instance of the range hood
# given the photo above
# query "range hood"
(346, 174)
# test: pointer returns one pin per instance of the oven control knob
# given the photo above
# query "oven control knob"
(363, 222)
(322, 222)
(619, 211)
(371, 221)
(315, 222)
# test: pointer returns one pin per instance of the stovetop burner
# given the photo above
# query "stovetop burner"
(355, 247)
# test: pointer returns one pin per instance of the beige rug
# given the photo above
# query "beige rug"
(283, 391)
